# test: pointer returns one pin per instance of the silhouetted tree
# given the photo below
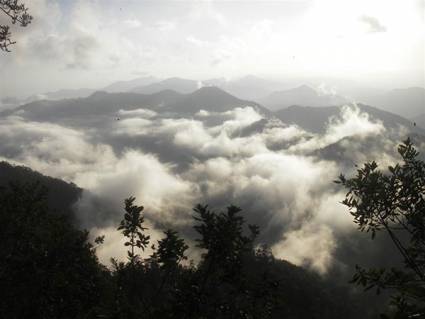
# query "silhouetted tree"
(220, 287)
(18, 13)
(223, 238)
(130, 279)
(132, 228)
(171, 250)
(393, 202)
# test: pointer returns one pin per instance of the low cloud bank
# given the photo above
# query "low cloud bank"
(276, 172)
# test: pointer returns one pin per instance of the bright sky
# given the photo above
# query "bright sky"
(91, 43)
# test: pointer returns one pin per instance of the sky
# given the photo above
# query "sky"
(92, 43)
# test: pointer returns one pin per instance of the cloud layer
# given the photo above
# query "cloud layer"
(276, 172)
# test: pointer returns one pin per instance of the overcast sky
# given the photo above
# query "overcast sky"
(89, 43)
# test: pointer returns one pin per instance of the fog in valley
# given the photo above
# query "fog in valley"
(260, 104)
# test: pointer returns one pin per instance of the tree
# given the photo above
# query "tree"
(18, 13)
(221, 288)
(132, 228)
(223, 238)
(171, 250)
(130, 278)
(393, 202)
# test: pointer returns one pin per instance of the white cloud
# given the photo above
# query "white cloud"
(132, 23)
(270, 172)
(373, 24)
(310, 246)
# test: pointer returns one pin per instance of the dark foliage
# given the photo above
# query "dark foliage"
(132, 228)
(233, 279)
(60, 196)
(48, 269)
(18, 13)
(393, 202)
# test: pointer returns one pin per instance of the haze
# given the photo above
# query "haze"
(89, 44)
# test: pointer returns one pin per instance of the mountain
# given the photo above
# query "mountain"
(101, 105)
(314, 119)
(61, 195)
(211, 99)
(249, 87)
(124, 86)
(302, 95)
(408, 102)
(120, 86)
(176, 84)
(61, 94)
(9, 102)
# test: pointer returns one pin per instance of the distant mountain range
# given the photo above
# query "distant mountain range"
(248, 87)
(303, 96)
(408, 102)
(120, 86)
(211, 99)
(125, 86)
(274, 95)
(176, 84)
(314, 119)
(103, 104)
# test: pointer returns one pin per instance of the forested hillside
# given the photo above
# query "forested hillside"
(51, 270)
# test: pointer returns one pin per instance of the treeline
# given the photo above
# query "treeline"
(48, 269)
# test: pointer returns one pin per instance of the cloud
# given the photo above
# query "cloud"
(198, 39)
(311, 246)
(165, 26)
(132, 23)
(373, 24)
(350, 122)
(275, 172)
(83, 48)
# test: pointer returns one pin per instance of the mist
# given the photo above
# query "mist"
(276, 172)
(88, 44)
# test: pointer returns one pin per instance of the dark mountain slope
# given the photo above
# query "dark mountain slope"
(303, 95)
(61, 195)
(211, 99)
(99, 103)
(102, 105)
(315, 119)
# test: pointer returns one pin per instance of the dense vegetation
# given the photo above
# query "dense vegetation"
(60, 196)
(393, 202)
(48, 269)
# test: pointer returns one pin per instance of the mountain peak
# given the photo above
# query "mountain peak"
(176, 79)
(98, 94)
(211, 92)
(305, 89)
